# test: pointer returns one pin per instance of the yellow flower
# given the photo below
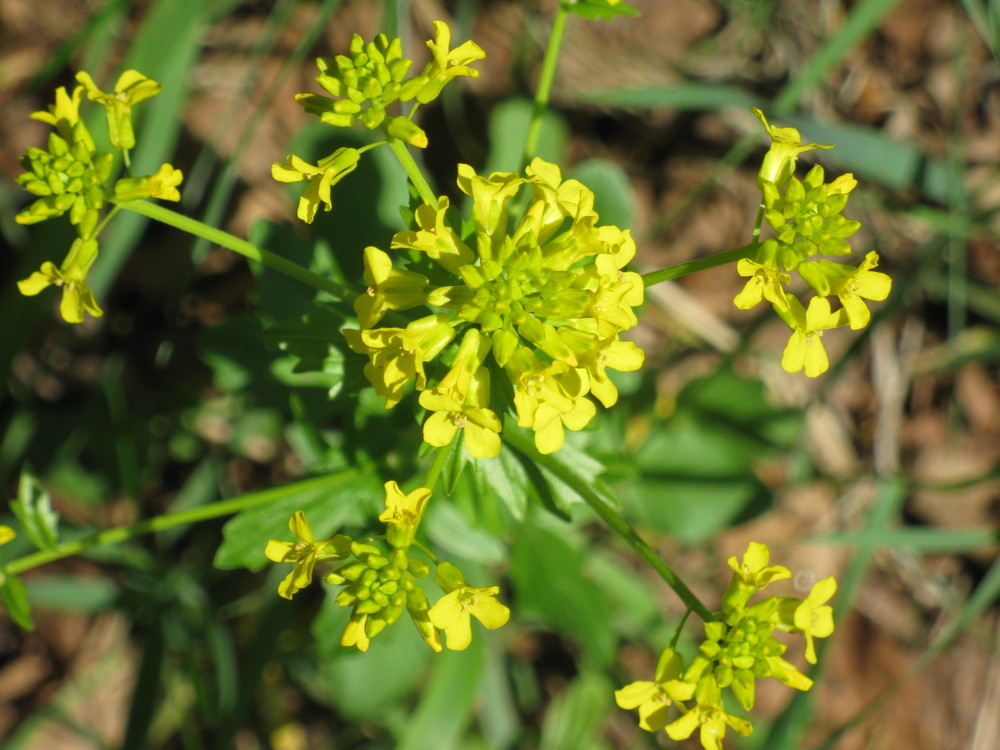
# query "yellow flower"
(131, 88)
(481, 425)
(786, 145)
(305, 554)
(653, 699)
(77, 298)
(162, 185)
(805, 347)
(65, 114)
(765, 283)
(322, 177)
(813, 617)
(453, 612)
(6, 534)
(447, 63)
(859, 284)
(403, 513)
(709, 717)
(388, 288)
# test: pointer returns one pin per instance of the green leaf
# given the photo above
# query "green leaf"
(317, 344)
(365, 686)
(15, 601)
(446, 702)
(508, 128)
(613, 197)
(449, 529)
(700, 96)
(508, 480)
(547, 583)
(349, 503)
(33, 508)
(575, 716)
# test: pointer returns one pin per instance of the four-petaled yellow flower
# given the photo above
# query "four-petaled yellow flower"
(805, 347)
(653, 699)
(480, 424)
(388, 288)
(766, 282)
(162, 185)
(77, 298)
(859, 284)
(305, 554)
(322, 177)
(447, 63)
(453, 611)
(131, 88)
(403, 513)
(709, 717)
(64, 114)
(814, 617)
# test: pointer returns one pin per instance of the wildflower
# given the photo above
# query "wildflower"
(388, 288)
(321, 178)
(850, 285)
(812, 616)
(162, 185)
(752, 574)
(403, 513)
(805, 347)
(64, 115)
(447, 63)
(6, 534)
(453, 612)
(305, 554)
(653, 699)
(709, 717)
(545, 292)
(131, 88)
(480, 425)
(786, 145)
(77, 298)
(765, 282)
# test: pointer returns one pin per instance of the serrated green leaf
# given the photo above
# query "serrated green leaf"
(15, 601)
(33, 508)
(348, 503)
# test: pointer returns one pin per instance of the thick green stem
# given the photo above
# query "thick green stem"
(521, 442)
(545, 80)
(237, 245)
(413, 171)
(699, 264)
(171, 520)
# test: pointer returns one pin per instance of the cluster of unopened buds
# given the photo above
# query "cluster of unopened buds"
(71, 176)
(739, 648)
(379, 583)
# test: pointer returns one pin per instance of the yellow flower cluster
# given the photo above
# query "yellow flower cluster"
(738, 649)
(380, 585)
(70, 176)
(805, 216)
(540, 299)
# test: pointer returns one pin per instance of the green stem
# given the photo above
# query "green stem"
(519, 440)
(170, 520)
(698, 264)
(545, 80)
(413, 172)
(434, 470)
(237, 245)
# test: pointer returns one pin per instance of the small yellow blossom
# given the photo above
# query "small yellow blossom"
(321, 178)
(709, 717)
(453, 612)
(860, 284)
(653, 699)
(814, 617)
(305, 554)
(6, 534)
(786, 145)
(805, 347)
(162, 185)
(403, 513)
(765, 282)
(480, 424)
(447, 63)
(77, 298)
(388, 288)
(131, 88)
